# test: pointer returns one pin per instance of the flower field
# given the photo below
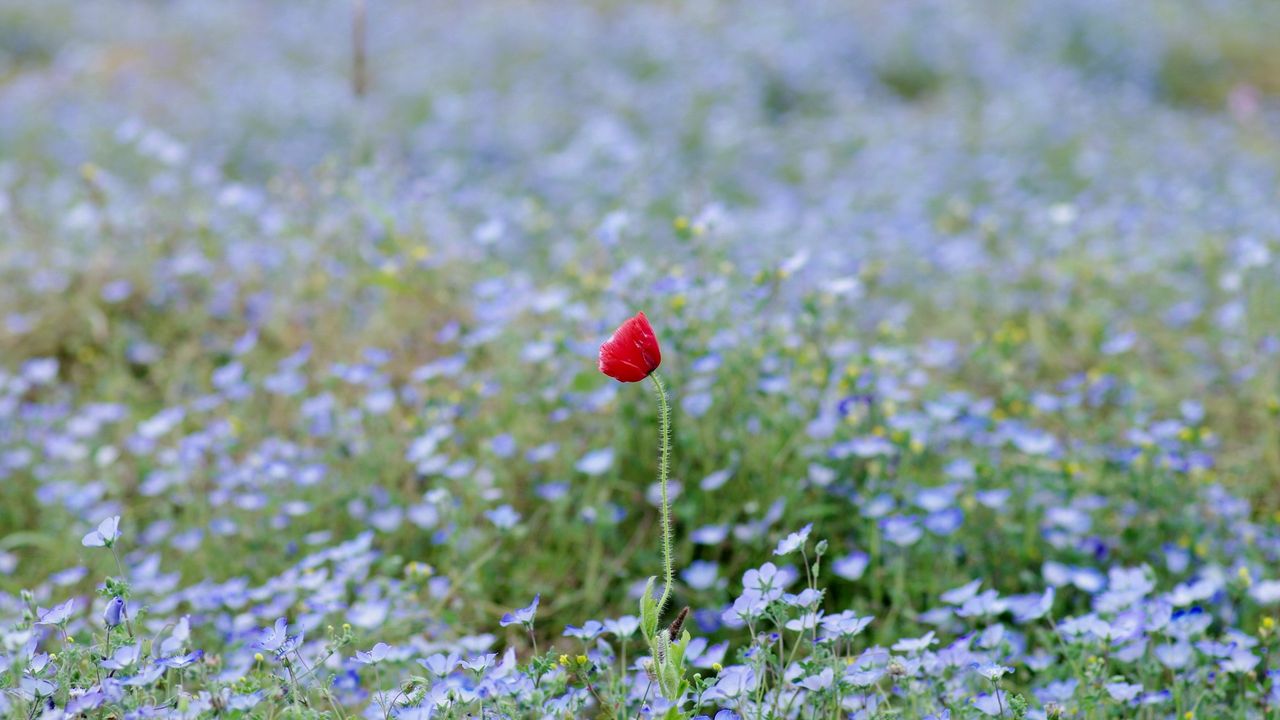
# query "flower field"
(679, 359)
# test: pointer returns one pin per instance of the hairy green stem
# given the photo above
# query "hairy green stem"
(664, 469)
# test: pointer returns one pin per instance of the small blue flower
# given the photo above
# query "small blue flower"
(523, 616)
(821, 681)
(701, 574)
(440, 664)
(1123, 692)
(589, 630)
(623, 627)
(504, 517)
(794, 541)
(180, 661)
(988, 704)
(106, 535)
(595, 462)
(915, 645)
(123, 657)
(57, 615)
(376, 654)
(273, 638)
(851, 566)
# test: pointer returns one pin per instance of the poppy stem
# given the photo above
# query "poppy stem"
(664, 469)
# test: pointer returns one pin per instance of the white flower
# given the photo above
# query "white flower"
(107, 533)
(991, 670)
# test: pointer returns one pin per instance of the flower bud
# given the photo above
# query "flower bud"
(115, 609)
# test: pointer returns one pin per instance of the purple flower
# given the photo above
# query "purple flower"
(588, 631)
(1174, 655)
(944, 522)
(851, 566)
(503, 445)
(1240, 661)
(376, 654)
(273, 638)
(440, 664)
(821, 681)
(595, 462)
(180, 661)
(902, 531)
(480, 663)
(623, 627)
(1059, 691)
(57, 615)
(747, 606)
(115, 608)
(82, 705)
(700, 574)
(146, 677)
(709, 534)
(988, 704)
(915, 645)
(503, 516)
(123, 657)
(523, 616)
(766, 580)
(962, 594)
(845, 624)
(733, 682)
(1123, 692)
(699, 654)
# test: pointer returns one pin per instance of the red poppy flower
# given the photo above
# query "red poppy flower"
(631, 354)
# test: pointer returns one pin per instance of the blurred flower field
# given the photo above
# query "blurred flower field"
(969, 323)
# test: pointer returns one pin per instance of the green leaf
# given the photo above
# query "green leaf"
(669, 680)
(649, 611)
(677, 652)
